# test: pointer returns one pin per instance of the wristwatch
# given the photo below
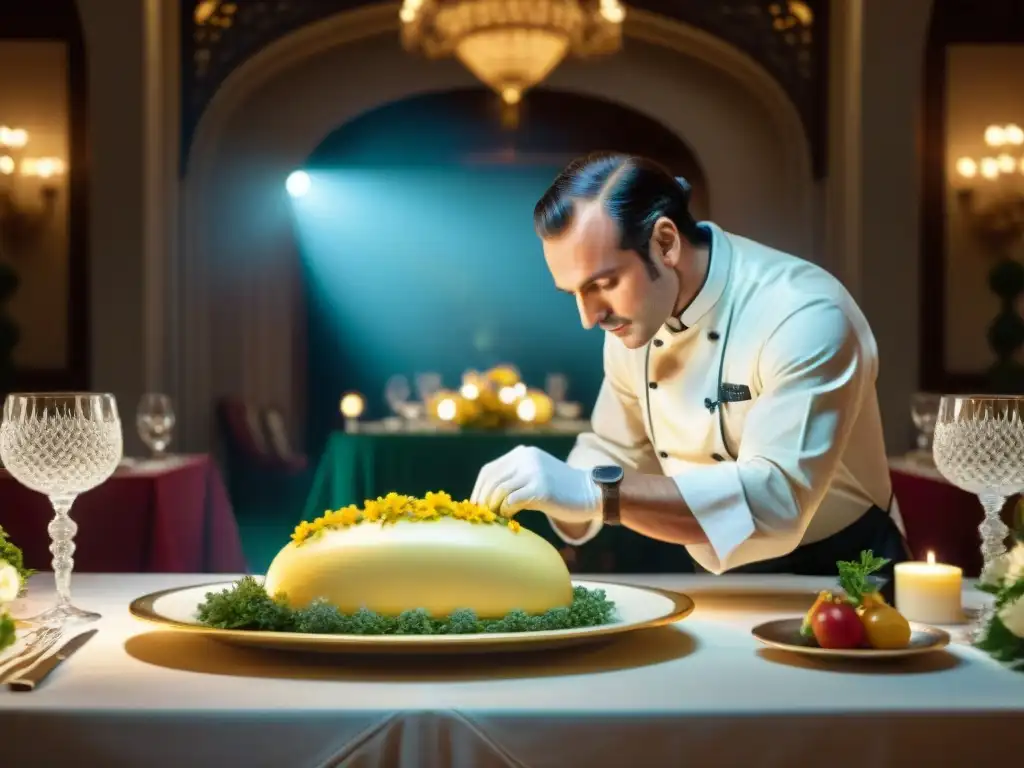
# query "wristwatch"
(608, 479)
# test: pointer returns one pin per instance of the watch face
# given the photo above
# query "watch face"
(607, 475)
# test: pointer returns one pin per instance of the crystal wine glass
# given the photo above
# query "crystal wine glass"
(396, 392)
(924, 408)
(557, 387)
(155, 421)
(427, 384)
(978, 446)
(61, 445)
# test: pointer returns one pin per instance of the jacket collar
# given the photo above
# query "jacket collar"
(719, 265)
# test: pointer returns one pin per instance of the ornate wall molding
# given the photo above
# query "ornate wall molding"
(789, 40)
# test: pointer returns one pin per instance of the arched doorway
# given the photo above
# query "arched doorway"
(417, 248)
(237, 286)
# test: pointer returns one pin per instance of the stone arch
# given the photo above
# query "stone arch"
(260, 124)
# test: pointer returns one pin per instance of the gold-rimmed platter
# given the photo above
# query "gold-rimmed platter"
(637, 608)
(784, 635)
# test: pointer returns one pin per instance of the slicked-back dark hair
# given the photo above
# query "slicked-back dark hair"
(634, 191)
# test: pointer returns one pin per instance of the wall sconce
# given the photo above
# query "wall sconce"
(1007, 143)
(23, 178)
(999, 176)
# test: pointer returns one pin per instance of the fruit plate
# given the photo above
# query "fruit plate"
(636, 608)
(784, 634)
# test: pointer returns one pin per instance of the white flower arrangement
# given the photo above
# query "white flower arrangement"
(10, 586)
(1004, 636)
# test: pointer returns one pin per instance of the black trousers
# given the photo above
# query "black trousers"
(875, 530)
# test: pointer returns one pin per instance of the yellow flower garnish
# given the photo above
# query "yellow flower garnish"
(393, 507)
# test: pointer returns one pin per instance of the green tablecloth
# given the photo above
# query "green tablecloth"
(360, 466)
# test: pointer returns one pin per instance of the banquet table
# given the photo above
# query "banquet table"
(365, 465)
(170, 515)
(699, 692)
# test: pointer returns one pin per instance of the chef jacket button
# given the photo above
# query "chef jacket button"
(658, 342)
(663, 454)
(713, 335)
(717, 457)
(653, 384)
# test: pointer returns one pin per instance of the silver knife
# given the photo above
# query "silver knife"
(28, 680)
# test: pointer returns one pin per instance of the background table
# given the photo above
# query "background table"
(940, 517)
(360, 466)
(169, 517)
(701, 692)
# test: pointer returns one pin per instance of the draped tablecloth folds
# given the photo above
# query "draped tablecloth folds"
(700, 692)
(166, 516)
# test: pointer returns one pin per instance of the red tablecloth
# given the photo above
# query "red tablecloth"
(173, 517)
(940, 517)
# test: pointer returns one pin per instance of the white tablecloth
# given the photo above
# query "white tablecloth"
(701, 693)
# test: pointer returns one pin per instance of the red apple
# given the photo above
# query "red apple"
(836, 625)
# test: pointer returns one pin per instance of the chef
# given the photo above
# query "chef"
(738, 415)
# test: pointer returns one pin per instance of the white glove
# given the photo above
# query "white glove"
(529, 478)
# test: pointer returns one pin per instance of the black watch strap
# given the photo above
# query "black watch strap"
(608, 479)
(610, 505)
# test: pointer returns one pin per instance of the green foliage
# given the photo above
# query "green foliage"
(855, 577)
(246, 605)
(6, 631)
(13, 555)
(998, 641)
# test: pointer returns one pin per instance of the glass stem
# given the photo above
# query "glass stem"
(993, 530)
(922, 441)
(62, 531)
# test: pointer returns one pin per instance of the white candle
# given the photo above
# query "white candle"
(929, 592)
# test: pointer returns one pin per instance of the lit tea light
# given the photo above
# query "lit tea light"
(535, 407)
(929, 592)
(508, 395)
(520, 389)
(447, 409)
(470, 390)
(352, 406)
(526, 410)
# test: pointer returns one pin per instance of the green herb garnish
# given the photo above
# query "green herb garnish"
(246, 605)
(854, 577)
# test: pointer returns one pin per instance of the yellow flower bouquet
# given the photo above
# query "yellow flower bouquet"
(494, 399)
(389, 509)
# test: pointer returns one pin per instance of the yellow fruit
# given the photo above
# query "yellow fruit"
(503, 376)
(869, 602)
(886, 628)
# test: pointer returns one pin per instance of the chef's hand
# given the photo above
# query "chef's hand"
(529, 478)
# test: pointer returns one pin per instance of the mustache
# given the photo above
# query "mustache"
(610, 323)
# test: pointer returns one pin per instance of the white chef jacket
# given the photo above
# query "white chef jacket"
(799, 460)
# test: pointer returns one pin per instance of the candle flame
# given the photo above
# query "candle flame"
(931, 558)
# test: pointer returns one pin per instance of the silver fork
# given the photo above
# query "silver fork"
(43, 639)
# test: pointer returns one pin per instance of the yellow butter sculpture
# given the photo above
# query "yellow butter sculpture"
(398, 553)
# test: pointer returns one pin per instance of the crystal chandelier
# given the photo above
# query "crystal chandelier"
(512, 45)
